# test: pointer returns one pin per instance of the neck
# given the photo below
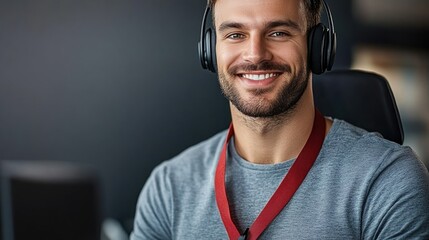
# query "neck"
(277, 139)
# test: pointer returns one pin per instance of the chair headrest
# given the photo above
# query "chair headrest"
(362, 98)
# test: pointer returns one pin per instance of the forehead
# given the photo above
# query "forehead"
(254, 12)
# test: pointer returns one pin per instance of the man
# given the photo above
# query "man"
(359, 186)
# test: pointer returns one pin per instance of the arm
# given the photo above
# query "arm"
(154, 206)
(397, 205)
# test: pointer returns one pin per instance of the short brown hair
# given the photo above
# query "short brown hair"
(312, 10)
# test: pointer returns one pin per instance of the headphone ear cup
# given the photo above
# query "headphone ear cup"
(210, 50)
(332, 51)
(201, 54)
(207, 49)
(212, 45)
(317, 49)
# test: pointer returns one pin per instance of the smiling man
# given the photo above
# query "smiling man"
(282, 170)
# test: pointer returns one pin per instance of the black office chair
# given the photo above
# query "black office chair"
(361, 98)
(48, 200)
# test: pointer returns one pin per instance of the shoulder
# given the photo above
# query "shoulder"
(200, 156)
(195, 164)
(173, 184)
(393, 184)
(355, 136)
(353, 153)
(369, 148)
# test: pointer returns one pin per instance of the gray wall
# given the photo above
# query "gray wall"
(115, 85)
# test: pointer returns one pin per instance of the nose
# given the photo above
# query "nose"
(257, 50)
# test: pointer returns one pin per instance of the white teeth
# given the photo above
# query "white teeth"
(259, 77)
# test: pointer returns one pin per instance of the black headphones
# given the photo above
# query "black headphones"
(322, 44)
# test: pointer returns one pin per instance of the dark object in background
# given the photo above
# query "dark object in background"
(49, 200)
(361, 98)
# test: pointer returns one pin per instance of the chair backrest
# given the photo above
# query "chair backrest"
(48, 200)
(361, 98)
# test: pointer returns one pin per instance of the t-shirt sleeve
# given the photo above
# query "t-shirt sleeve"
(397, 205)
(152, 219)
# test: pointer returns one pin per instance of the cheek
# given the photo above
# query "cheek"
(303, 50)
(293, 53)
(226, 55)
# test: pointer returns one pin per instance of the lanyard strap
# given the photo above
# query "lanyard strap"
(285, 190)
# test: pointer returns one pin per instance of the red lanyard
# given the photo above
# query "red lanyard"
(284, 192)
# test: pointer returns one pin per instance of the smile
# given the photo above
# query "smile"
(259, 77)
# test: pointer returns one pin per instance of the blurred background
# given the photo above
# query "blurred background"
(116, 86)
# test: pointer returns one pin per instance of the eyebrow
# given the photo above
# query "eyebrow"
(286, 23)
(273, 24)
(228, 25)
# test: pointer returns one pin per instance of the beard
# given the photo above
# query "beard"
(260, 107)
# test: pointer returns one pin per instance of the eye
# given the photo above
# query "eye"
(280, 34)
(235, 36)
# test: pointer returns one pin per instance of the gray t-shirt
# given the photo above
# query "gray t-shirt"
(360, 187)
